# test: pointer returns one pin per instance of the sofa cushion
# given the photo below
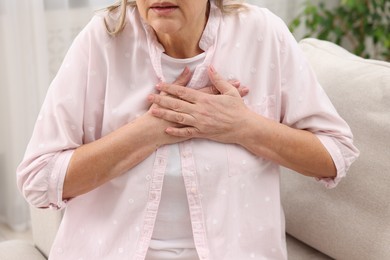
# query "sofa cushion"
(351, 221)
(297, 250)
(19, 250)
(45, 223)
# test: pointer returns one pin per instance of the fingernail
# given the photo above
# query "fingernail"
(150, 98)
(159, 85)
(154, 112)
(212, 69)
(235, 82)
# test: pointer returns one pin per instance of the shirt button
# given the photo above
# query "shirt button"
(161, 161)
(148, 177)
(194, 190)
(154, 196)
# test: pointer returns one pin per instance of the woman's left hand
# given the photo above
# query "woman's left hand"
(218, 117)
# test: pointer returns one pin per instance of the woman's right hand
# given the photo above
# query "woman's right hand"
(158, 125)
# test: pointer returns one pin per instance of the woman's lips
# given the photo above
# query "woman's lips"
(164, 10)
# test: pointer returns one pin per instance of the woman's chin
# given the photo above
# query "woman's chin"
(165, 27)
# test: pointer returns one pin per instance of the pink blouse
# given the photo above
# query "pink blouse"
(233, 196)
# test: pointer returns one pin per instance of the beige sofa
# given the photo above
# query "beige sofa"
(349, 222)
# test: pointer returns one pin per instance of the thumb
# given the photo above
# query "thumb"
(222, 85)
(183, 78)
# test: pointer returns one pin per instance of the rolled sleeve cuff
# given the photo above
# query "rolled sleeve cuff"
(56, 180)
(338, 159)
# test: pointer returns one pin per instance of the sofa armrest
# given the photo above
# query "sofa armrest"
(19, 250)
(298, 250)
(45, 223)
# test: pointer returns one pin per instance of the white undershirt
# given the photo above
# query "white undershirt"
(172, 235)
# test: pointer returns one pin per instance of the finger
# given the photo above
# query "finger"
(183, 78)
(221, 84)
(243, 91)
(189, 132)
(187, 94)
(211, 90)
(170, 102)
(174, 117)
(235, 83)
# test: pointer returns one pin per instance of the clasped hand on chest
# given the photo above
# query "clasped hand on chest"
(216, 112)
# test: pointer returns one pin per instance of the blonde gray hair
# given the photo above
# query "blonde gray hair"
(228, 7)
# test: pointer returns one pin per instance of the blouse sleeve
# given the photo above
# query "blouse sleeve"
(305, 105)
(58, 131)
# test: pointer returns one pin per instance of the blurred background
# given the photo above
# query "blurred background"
(34, 37)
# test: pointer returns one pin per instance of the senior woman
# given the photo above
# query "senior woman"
(155, 149)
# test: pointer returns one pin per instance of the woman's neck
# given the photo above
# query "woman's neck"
(184, 43)
(181, 47)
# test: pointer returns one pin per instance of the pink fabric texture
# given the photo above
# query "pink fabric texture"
(233, 195)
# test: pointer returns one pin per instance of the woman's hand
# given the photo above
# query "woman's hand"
(159, 125)
(216, 112)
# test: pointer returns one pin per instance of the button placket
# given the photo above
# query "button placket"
(155, 180)
(194, 202)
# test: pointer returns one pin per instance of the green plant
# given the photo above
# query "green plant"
(361, 25)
